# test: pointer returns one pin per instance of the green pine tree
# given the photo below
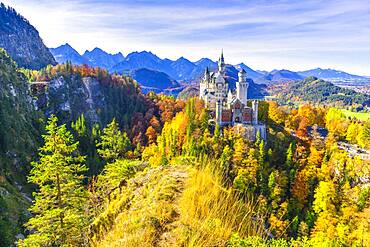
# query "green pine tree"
(113, 143)
(226, 161)
(204, 118)
(80, 125)
(58, 212)
(261, 153)
(289, 157)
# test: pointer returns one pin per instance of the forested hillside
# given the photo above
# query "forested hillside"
(188, 184)
(313, 90)
(84, 99)
(19, 138)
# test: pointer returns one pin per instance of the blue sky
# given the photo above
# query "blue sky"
(266, 35)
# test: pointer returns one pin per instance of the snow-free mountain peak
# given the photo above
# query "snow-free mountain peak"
(329, 74)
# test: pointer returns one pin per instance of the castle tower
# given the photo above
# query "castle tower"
(204, 84)
(218, 112)
(255, 112)
(242, 87)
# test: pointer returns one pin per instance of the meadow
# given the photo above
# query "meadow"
(363, 116)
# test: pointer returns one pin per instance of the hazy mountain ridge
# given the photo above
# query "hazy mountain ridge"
(180, 69)
(95, 58)
(250, 72)
(282, 75)
(66, 53)
(152, 80)
(99, 58)
(329, 74)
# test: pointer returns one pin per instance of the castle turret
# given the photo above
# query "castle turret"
(255, 112)
(203, 85)
(218, 112)
(242, 87)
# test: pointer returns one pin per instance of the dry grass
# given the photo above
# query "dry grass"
(145, 208)
(177, 206)
(211, 213)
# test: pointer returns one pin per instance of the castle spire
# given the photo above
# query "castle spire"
(221, 62)
(206, 73)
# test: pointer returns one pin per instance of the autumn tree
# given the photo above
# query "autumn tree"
(151, 134)
(352, 132)
(239, 152)
(302, 128)
(275, 113)
(336, 122)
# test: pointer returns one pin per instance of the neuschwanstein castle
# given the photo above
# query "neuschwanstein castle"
(230, 107)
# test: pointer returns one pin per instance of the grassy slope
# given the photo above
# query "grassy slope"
(363, 116)
(144, 210)
(174, 206)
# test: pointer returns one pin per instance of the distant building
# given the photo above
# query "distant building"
(230, 107)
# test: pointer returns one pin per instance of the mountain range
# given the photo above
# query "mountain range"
(23, 43)
(182, 71)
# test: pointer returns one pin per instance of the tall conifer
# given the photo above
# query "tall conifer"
(58, 211)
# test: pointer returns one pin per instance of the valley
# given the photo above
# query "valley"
(131, 149)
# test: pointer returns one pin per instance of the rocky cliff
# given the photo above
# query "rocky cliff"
(70, 97)
(22, 41)
(71, 94)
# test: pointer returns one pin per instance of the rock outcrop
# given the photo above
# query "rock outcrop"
(70, 97)
(22, 41)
